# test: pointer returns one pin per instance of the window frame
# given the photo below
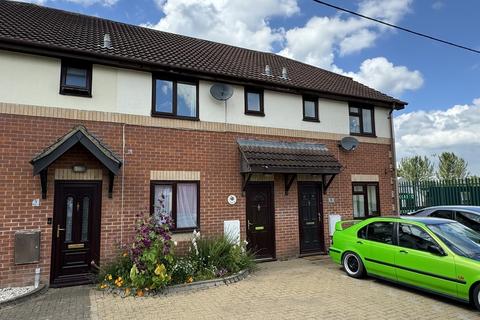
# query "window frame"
(365, 194)
(174, 184)
(261, 112)
(74, 90)
(175, 81)
(359, 114)
(313, 99)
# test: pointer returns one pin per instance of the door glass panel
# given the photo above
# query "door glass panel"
(358, 205)
(68, 223)
(380, 232)
(372, 200)
(413, 237)
(86, 208)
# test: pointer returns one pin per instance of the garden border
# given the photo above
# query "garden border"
(42, 288)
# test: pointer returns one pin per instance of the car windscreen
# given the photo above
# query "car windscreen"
(460, 239)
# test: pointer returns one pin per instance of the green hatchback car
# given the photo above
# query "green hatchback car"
(435, 255)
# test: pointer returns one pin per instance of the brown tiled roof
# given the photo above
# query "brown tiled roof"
(286, 157)
(60, 32)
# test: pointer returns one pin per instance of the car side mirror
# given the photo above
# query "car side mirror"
(436, 250)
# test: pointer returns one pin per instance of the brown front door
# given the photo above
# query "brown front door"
(260, 220)
(76, 232)
(310, 217)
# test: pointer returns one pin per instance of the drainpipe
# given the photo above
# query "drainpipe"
(123, 185)
(394, 160)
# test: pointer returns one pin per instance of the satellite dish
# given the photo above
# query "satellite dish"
(349, 143)
(221, 91)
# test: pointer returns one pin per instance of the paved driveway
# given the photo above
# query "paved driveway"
(296, 289)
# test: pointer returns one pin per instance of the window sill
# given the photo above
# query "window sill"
(186, 230)
(255, 113)
(66, 91)
(311, 120)
(368, 135)
(171, 116)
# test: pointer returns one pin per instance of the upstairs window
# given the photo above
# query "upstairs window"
(254, 102)
(362, 120)
(175, 98)
(76, 79)
(310, 109)
(365, 200)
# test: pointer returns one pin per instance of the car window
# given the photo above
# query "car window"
(469, 219)
(445, 214)
(362, 233)
(413, 237)
(380, 232)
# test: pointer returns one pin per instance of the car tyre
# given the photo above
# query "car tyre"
(353, 265)
(476, 296)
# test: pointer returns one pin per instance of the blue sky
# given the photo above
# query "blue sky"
(441, 83)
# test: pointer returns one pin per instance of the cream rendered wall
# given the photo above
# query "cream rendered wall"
(282, 110)
(35, 80)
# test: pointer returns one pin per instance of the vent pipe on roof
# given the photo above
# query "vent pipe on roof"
(268, 71)
(107, 41)
(284, 73)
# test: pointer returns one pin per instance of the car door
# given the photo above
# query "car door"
(376, 242)
(418, 265)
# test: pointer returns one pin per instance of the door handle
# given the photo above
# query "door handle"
(359, 242)
(403, 251)
(58, 230)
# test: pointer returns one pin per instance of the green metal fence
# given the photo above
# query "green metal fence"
(418, 195)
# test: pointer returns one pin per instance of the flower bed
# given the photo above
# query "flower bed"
(149, 265)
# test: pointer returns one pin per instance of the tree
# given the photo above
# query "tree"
(416, 169)
(450, 167)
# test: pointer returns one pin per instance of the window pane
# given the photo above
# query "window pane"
(164, 96)
(372, 200)
(362, 233)
(253, 101)
(76, 77)
(85, 210)
(186, 100)
(354, 124)
(358, 206)
(414, 238)
(186, 205)
(357, 188)
(162, 201)
(445, 214)
(353, 110)
(381, 232)
(69, 219)
(309, 109)
(367, 121)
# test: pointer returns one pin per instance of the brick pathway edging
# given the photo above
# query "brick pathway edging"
(207, 283)
(41, 289)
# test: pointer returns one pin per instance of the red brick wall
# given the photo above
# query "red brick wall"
(214, 154)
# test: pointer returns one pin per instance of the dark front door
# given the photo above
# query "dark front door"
(76, 232)
(260, 220)
(310, 217)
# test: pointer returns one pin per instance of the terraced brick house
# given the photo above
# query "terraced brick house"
(101, 122)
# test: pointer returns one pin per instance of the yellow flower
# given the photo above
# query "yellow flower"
(108, 277)
(160, 269)
(103, 286)
(190, 279)
(139, 293)
(125, 254)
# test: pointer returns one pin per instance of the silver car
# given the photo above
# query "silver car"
(466, 215)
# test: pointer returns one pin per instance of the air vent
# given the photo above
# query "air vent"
(107, 41)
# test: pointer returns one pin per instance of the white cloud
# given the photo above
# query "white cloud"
(437, 5)
(433, 132)
(241, 23)
(381, 74)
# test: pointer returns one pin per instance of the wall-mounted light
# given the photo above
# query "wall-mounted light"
(79, 168)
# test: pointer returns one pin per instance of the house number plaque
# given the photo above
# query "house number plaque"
(232, 199)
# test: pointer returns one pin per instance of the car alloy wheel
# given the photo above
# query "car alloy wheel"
(353, 265)
(476, 296)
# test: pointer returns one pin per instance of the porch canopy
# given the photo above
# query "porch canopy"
(78, 135)
(287, 158)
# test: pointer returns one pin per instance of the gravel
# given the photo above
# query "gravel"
(10, 293)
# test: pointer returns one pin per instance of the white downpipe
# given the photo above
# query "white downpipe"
(123, 185)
